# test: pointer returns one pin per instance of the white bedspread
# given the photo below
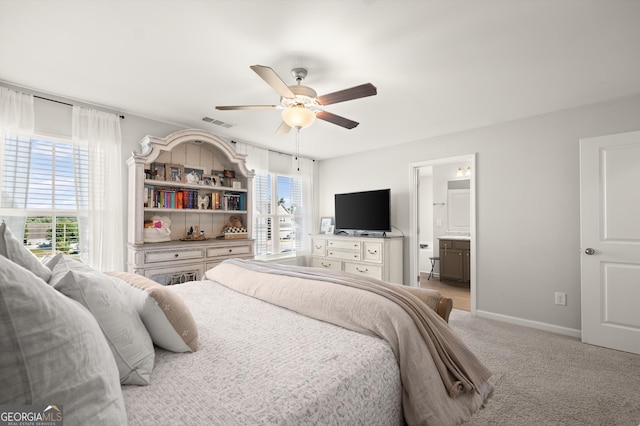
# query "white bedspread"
(259, 364)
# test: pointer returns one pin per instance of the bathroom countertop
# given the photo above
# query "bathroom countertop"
(455, 237)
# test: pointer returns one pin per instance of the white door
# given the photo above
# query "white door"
(610, 240)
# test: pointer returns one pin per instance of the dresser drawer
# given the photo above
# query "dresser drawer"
(178, 254)
(345, 255)
(228, 251)
(318, 247)
(372, 252)
(326, 264)
(371, 271)
(344, 245)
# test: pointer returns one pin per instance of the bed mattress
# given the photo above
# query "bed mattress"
(260, 364)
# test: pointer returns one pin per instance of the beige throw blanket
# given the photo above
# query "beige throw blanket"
(443, 382)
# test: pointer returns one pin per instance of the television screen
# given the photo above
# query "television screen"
(364, 211)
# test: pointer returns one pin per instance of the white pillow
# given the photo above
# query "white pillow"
(14, 250)
(53, 352)
(129, 340)
(164, 314)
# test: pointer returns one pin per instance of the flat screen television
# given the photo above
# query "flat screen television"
(363, 211)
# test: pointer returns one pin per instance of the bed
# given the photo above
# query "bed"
(285, 357)
(252, 343)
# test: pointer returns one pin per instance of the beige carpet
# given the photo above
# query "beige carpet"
(543, 378)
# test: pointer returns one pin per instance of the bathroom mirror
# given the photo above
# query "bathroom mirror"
(459, 205)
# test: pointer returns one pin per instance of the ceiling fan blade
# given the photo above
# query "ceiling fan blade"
(357, 92)
(231, 107)
(283, 129)
(336, 119)
(273, 80)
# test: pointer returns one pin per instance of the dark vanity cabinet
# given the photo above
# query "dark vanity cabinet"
(455, 260)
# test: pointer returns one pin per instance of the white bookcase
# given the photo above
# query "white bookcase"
(183, 259)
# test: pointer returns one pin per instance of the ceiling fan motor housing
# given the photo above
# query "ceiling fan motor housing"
(305, 96)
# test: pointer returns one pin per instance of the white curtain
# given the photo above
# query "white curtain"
(17, 118)
(306, 171)
(258, 160)
(103, 239)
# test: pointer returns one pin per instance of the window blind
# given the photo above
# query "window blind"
(44, 175)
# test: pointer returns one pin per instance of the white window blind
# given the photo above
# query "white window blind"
(44, 188)
(277, 226)
(44, 175)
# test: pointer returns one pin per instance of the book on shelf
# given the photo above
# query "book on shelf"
(184, 198)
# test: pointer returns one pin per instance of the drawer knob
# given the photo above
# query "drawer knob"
(373, 252)
(230, 250)
(176, 255)
(362, 270)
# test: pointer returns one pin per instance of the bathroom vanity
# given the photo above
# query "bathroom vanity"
(455, 258)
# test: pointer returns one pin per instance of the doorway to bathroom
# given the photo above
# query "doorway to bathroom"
(443, 205)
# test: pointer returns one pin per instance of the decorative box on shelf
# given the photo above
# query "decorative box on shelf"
(234, 233)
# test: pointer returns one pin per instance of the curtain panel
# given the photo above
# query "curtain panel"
(17, 118)
(103, 241)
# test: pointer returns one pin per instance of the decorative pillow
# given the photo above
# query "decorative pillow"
(166, 316)
(50, 261)
(14, 250)
(53, 352)
(129, 340)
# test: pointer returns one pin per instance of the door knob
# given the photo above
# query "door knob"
(590, 251)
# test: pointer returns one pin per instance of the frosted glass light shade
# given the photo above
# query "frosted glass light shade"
(298, 116)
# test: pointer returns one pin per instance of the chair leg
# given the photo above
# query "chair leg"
(433, 262)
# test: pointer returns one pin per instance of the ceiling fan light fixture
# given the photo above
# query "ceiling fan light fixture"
(298, 117)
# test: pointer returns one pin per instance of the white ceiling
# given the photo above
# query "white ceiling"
(440, 66)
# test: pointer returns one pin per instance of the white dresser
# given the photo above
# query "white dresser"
(379, 258)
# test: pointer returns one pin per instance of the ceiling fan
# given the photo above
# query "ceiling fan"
(300, 104)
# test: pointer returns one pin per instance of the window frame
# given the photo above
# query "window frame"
(272, 219)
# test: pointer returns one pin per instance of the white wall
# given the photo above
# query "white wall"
(426, 207)
(527, 176)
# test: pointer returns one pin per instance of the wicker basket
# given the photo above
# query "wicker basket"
(235, 235)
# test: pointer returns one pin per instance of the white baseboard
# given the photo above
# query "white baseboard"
(531, 324)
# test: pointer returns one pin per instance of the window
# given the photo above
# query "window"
(44, 195)
(279, 209)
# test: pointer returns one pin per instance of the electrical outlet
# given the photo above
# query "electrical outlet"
(561, 299)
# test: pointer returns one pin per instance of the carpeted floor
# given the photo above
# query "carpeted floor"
(543, 378)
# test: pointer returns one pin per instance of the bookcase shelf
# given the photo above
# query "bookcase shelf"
(210, 154)
(169, 184)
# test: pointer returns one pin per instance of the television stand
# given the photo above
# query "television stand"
(369, 256)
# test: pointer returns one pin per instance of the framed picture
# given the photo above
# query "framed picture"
(325, 223)
(209, 180)
(236, 184)
(330, 229)
(156, 171)
(193, 175)
(174, 173)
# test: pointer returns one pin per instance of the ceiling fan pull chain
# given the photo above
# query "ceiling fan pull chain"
(298, 147)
